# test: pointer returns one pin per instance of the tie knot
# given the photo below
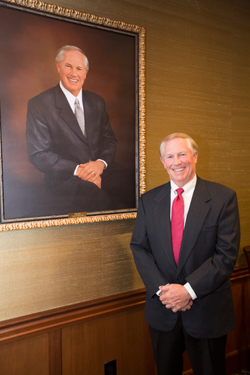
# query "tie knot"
(78, 106)
(179, 191)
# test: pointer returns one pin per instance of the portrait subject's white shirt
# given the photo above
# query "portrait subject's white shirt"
(71, 100)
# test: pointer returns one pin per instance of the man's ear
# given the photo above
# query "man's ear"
(162, 160)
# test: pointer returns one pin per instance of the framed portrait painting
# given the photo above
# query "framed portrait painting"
(42, 146)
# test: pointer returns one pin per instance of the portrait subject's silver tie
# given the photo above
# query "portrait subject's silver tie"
(80, 117)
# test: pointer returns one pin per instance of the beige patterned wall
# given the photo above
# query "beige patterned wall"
(198, 82)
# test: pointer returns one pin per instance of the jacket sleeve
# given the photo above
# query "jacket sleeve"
(151, 276)
(213, 275)
(39, 144)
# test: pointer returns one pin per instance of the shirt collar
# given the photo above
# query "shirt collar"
(190, 185)
(71, 98)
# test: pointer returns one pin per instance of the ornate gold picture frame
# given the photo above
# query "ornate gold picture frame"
(32, 32)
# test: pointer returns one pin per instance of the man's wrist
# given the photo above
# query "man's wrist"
(75, 171)
(104, 162)
(158, 293)
(190, 291)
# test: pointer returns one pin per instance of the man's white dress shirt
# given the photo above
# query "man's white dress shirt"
(187, 197)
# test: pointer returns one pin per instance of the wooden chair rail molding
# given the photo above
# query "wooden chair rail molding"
(34, 324)
(30, 325)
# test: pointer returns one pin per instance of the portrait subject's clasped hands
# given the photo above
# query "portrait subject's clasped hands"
(91, 172)
(175, 297)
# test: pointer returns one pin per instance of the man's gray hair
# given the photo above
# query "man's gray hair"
(62, 50)
(190, 141)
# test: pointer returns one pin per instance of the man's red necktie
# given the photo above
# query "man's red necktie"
(177, 223)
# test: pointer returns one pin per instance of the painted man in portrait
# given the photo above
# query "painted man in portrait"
(70, 140)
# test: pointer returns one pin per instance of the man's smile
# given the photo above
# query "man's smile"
(179, 170)
(73, 80)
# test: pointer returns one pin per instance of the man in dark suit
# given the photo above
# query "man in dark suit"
(75, 154)
(189, 301)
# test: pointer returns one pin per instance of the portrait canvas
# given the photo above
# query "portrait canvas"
(29, 41)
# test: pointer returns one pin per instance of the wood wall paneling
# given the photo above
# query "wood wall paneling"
(123, 337)
(25, 357)
(238, 343)
(55, 352)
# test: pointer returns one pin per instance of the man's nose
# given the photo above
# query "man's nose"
(177, 160)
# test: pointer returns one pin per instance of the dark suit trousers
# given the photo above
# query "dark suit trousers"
(207, 356)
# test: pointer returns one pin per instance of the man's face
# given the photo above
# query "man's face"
(72, 71)
(179, 161)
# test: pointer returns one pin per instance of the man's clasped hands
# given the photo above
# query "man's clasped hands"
(175, 297)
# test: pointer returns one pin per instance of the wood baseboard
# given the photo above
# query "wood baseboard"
(238, 360)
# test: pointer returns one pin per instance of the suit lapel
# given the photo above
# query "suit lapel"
(66, 112)
(88, 114)
(196, 216)
(162, 219)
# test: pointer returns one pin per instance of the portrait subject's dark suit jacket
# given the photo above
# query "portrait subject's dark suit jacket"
(55, 142)
(207, 257)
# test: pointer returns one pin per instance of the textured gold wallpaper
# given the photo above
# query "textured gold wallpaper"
(49, 267)
(198, 82)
